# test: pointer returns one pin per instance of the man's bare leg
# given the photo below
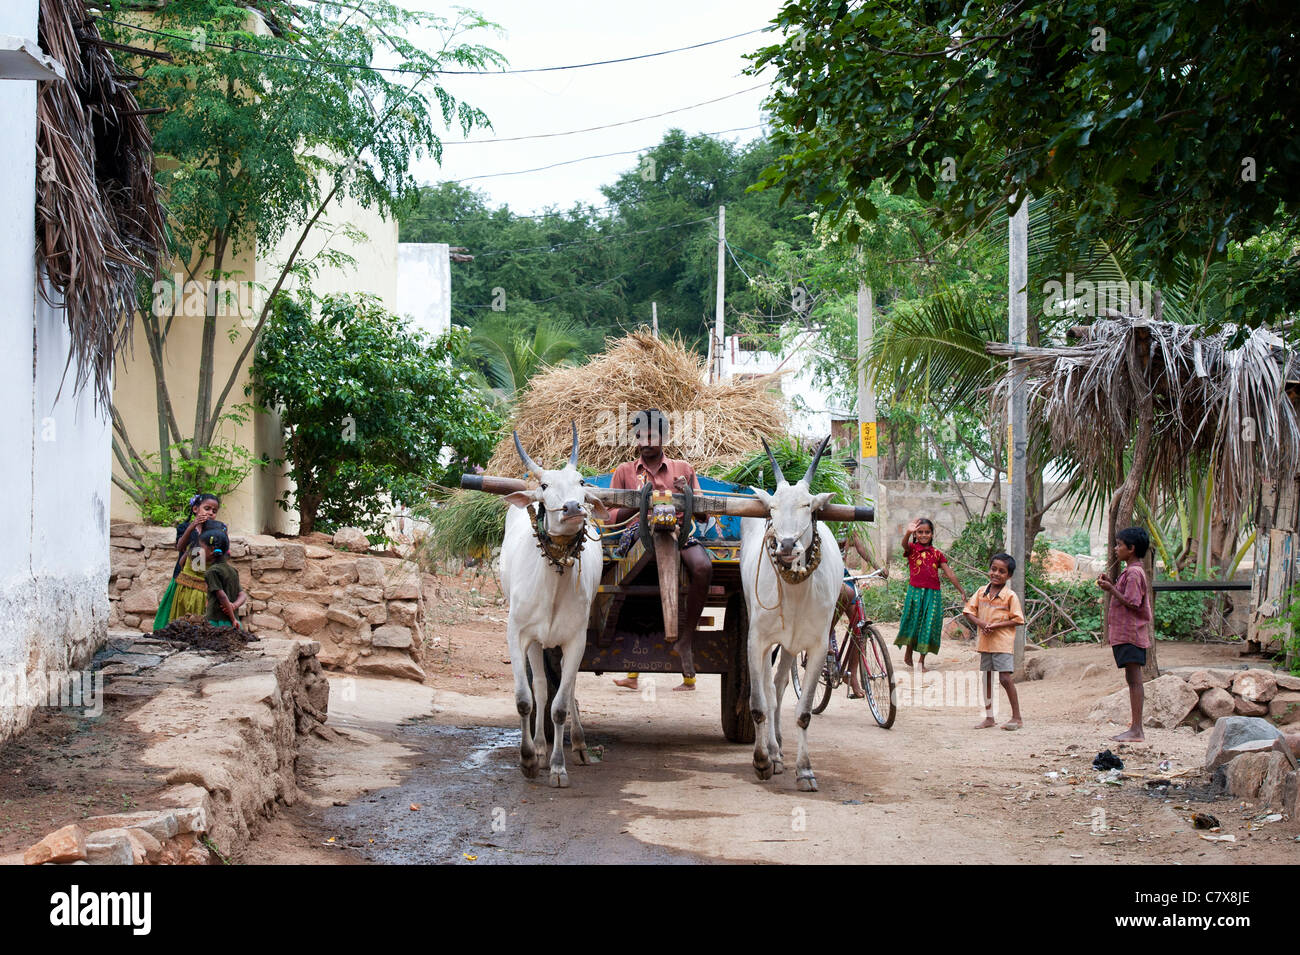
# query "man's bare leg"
(700, 569)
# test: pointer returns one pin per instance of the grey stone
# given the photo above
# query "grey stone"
(1231, 731)
(391, 636)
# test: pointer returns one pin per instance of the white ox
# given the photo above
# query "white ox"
(550, 599)
(794, 615)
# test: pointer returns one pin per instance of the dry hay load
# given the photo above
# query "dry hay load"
(712, 426)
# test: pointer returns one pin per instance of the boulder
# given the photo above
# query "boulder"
(351, 539)
(1284, 708)
(1257, 686)
(144, 847)
(1285, 681)
(161, 825)
(403, 613)
(110, 847)
(316, 552)
(141, 600)
(269, 562)
(305, 618)
(1168, 701)
(1200, 680)
(1091, 670)
(1043, 667)
(63, 845)
(1243, 776)
(295, 556)
(370, 572)
(391, 636)
(1245, 707)
(313, 576)
(1216, 702)
(1292, 734)
(390, 663)
(402, 588)
(342, 614)
(341, 571)
(1231, 731)
(265, 621)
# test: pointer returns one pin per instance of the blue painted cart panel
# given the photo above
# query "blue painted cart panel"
(724, 528)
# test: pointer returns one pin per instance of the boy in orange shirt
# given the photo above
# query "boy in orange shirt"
(995, 613)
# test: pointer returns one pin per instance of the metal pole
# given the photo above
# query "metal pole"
(1018, 327)
(718, 331)
(868, 469)
(654, 319)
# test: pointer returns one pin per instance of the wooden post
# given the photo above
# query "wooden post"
(868, 460)
(1017, 458)
(654, 319)
(719, 332)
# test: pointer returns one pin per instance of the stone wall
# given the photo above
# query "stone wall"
(900, 501)
(368, 613)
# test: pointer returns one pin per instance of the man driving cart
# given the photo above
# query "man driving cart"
(665, 475)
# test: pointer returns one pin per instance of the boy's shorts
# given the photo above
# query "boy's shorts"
(997, 662)
(1126, 653)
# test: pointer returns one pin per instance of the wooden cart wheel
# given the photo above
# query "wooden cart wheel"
(737, 722)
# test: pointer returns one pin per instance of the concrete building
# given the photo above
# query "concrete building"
(424, 285)
(57, 442)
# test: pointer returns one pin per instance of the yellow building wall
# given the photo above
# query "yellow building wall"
(251, 507)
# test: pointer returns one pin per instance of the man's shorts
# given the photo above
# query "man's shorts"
(1126, 653)
(997, 662)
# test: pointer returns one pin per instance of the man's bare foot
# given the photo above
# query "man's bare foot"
(629, 684)
(684, 686)
(1012, 724)
(1129, 736)
(988, 723)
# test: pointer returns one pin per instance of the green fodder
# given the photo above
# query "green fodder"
(462, 524)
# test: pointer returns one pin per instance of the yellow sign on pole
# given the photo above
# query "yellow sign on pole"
(867, 440)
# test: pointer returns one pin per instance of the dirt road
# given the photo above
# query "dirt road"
(669, 788)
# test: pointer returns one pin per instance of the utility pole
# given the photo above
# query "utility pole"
(868, 470)
(718, 331)
(1017, 458)
(654, 319)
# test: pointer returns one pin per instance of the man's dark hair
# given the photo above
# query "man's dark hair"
(648, 422)
(1137, 538)
(1006, 559)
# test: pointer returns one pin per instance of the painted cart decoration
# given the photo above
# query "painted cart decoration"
(640, 602)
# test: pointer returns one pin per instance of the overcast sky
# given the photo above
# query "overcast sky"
(550, 34)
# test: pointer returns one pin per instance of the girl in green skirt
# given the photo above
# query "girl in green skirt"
(922, 622)
(187, 594)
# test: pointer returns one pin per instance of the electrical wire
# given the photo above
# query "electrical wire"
(603, 238)
(592, 129)
(422, 72)
(570, 162)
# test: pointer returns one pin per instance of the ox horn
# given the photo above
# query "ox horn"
(528, 462)
(812, 468)
(776, 468)
(573, 455)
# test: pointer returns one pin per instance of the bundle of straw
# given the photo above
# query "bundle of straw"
(712, 425)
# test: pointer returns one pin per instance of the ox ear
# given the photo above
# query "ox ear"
(819, 501)
(598, 509)
(763, 496)
(524, 498)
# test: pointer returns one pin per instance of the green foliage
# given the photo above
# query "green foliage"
(1076, 543)
(972, 552)
(973, 106)
(600, 268)
(884, 602)
(508, 353)
(217, 469)
(369, 407)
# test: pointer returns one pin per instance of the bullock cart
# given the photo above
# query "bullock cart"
(641, 599)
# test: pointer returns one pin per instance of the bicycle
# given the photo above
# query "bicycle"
(867, 647)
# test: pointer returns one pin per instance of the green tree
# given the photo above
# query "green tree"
(1167, 125)
(508, 354)
(371, 409)
(255, 143)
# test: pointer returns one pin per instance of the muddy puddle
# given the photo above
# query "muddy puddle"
(475, 807)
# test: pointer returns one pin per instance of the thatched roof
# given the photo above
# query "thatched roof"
(714, 425)
(1213, 406)
(99, 223)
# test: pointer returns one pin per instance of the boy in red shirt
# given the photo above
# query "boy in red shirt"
(1128, 621)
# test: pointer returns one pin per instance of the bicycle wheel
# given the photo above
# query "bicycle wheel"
(878, 676)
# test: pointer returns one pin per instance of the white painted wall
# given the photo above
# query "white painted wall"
(424, 285)
(811, 409)
(54, 469)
